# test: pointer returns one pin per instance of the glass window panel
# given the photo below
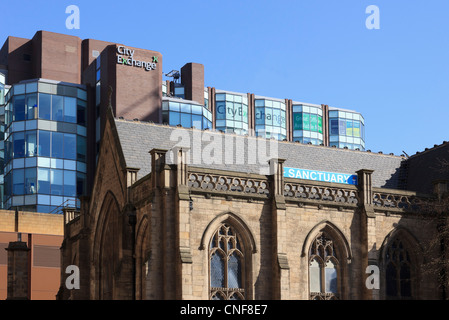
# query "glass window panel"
(19, 89)
(81, 148)
(197, 109)
(69, 183)
(234, 272)
(44, 149)
(268, 116)
(297, 109)
(217, 271)
(245, 113)
(306, 121)
(260, 103)
(70, 146)
(174, 106)
(238, 112)
(70, 109)
(186, 108)
(31, 144)
(277, 120)
(363, 132)
(179, 91)
(283, 119)
(220, 97)
(230, 112)
(31, 106)
(207, 124)
(315, 276)
(57, 182)
(81, 112)
(18, 178)
(70, 165)
(31, 125)
(220, 110)
(313, 122)
(406, 289)
(44, 106)
(356, 129)
(297, 121)
(165, 117)
(57, 145)
(334, 126)
(391, 279)
(342, 127)
(80, 184)
(81, 94)
(19, 144)
(174, 119)
(57, 108)
(31, 87)
(186, 120)
(30, 181)
(42, 199)
(260, 116)
(331, 278)
(333, 114)
(320, 124)
(349, 128)
(197, 121)
(8, 185)
(229, 97)
(19, 108)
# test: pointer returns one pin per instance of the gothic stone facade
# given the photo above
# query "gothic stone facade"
(179, 231)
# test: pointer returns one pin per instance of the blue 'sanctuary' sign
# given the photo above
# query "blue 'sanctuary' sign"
(320, 176)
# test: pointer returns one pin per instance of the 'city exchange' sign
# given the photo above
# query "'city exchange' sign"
(125, 56)
(320, 176)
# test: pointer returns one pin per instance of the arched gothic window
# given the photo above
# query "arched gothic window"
(398, 271)
(323, 269)
(226, 265)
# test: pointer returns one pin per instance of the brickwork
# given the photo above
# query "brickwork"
(17, 271)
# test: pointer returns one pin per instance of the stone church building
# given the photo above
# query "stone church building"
(171, 218)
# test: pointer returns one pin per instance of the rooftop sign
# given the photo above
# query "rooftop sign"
(313, 175)
(125, 56)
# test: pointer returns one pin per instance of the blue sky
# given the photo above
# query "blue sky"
(311, 51)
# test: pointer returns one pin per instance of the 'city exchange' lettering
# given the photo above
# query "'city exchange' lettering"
(126, 57)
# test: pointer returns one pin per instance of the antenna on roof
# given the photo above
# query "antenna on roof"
(174, 74)
(406, 154)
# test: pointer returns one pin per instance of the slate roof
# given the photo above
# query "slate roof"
(138, 138)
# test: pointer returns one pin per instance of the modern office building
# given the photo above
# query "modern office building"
(61, 87)
(45, 145)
